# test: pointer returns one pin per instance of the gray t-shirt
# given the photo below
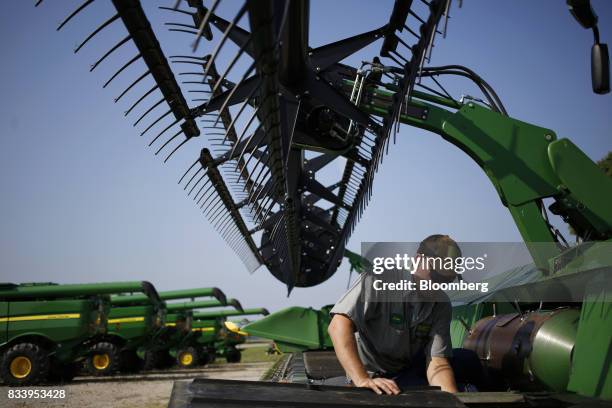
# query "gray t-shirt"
(390, 334)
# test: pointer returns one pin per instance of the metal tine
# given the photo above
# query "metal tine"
(180, 25)
(213, 214)
(195, 198)
(222, 210)
(177, 3)
(189, 62)
(127, 64)
(141, 99)
(179, 30)
(223, 39)
(204, 58)
(188, 170)
(140, 78)
(155, 122)
(246, 127)
(203, 23)
(204, 194)
(176, 10)
(191, 73)
(38, 3)
(168, 141)
(218, 204)
(263, 166)
(155, 105)
(74, 13)
(232, 63)
(176, 148)
(196, 184)
(163, 131)
(212, 194)
(109, 52)
(244, 149)
(225, 224)
(213, 203)
(194, 82)
(231, 93)
(244, 105)
(221, 221)
(96, 31)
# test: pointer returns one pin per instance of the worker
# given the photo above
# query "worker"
(386, 343)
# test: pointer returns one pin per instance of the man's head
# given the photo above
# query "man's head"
(438, 253)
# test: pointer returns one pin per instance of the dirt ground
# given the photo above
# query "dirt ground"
(151, 390)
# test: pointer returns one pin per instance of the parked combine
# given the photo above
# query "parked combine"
(229, 335)
(48, 329)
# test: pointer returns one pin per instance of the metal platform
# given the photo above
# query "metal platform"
(208, 393)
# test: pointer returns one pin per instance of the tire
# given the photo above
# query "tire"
(204, 357)
(233, 355)
(103, 359)
(212, 354)
(157, 360)
(129, 362)
(187, 357)
(151, 360)
(24, 364)
(63, 372)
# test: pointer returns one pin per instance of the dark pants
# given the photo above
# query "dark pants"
(469, 374)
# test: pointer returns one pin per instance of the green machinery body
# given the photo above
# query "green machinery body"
(60, 321)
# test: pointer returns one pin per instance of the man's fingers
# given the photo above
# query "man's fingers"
(375, 387)
(393, 386)
(384, 384)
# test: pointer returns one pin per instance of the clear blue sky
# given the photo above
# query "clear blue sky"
(83, 198)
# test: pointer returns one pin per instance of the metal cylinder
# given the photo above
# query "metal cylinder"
(528, 351)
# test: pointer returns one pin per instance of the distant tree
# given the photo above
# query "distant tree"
(606, 164)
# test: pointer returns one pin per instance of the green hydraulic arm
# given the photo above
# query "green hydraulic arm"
(173, 295)
(203, 304)
(228, 313)
(525, 163)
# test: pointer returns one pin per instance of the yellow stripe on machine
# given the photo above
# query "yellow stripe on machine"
(170, 324)
(203, 329)
(40, 317)
(127, 320)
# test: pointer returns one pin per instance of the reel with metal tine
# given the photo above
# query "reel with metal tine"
(176, 148)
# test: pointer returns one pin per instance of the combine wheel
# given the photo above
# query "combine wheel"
(233, 355)
(24, 364)
(156, 360)
(130, 362)
(187, 357)
(103, 359)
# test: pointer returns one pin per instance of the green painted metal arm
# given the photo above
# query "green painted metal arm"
(50, 290)
(172, 295)
(228, 313)
(203, 304)
(525, 163)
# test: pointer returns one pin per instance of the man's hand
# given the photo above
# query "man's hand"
(378, 385)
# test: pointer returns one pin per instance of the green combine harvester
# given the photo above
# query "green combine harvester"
(171, 342)
(226, 335)
(47, 329)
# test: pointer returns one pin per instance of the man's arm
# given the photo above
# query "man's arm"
(342, 333)
(440, 373)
